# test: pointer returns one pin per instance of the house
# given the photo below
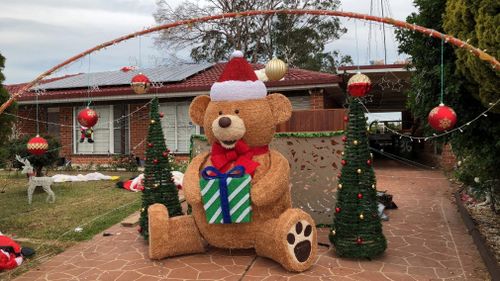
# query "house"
(123, 115)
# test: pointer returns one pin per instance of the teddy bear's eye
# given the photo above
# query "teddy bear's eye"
(236, 111)
(220, 112)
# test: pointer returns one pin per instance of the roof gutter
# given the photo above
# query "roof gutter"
(167, 95)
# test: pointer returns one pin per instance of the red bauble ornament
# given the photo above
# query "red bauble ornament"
(337, 210)
(360, 196)
(162, 114)
(343, 162)
(344, 138)
(155, 161)
(140, 84)
(359, 85)
(339, 175)
(150, 144)
(369, 161)
(37, 145)
(442, 118)
(346, 118)
(165, 154)
(359, 240)
(87, 117)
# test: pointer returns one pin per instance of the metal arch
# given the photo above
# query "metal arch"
(401, 24)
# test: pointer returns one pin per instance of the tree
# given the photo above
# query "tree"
(158, 184)
(19, 147)
(300, 40)
(357, 230)
(476, 21)
(6, 120)
(477, 146)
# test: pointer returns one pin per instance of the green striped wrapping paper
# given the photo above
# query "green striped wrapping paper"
(238, 197)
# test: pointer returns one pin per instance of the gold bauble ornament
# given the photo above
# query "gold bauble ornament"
(340, 186)
(359, 171)
(361, 216)
(334, 232)
(342, 153)
(373, 186)
(152, 121)
(142, 210)
(355, 142)
(276, 69)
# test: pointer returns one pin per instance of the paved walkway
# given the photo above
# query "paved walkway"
(427, 241)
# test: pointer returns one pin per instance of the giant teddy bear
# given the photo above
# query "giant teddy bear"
(239, 120)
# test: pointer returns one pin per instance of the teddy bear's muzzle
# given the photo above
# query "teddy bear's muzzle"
(228, 129)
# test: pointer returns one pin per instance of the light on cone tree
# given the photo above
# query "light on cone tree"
(37, 145)
(359, 85)
(140, 84)
(357, 229)
(87, 117)
(442, 118)
(158, 184)
(276, 69)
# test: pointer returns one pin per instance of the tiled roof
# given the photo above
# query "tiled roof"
(201, 81)
(372, 66)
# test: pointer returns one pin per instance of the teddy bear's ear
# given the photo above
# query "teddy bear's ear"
(197, 109)
(280, 107)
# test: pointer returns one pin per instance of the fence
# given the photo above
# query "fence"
(315, 121)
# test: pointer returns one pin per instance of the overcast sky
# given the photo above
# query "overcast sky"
(38, 34)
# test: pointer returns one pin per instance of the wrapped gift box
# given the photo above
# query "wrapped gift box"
(226, 196)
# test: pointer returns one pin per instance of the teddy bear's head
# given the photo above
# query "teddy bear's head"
(254, 120)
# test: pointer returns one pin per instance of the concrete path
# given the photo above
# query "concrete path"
(427, 241)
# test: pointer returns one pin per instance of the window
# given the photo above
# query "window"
(300, 102)
(109, 137)
(177, 126)
(53, 121)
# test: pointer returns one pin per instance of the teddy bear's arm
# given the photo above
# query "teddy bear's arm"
(191, 181)
(274, 182)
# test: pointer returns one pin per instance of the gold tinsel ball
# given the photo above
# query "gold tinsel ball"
(342, 153)
(152, 121)
(361, 216)
(340, 186)
(373, 186)
(156, 185)
(142, 209)
(276, 69)
(355, 142)
(334, 232)
(359, 171)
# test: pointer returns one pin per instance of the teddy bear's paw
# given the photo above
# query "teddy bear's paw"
(299, 240)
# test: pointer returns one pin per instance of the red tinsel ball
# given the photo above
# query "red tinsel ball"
(442, 118)
(37, 145)
(360, 196)
(346, 118)
(369, 161)
(162, 114)
(155, 161)
(343, 162)
(337, 210)
(344, 138)
(359, 85)
(140, 83)
(165, 154)
(359, 240)
(87, 117)
(150, 144)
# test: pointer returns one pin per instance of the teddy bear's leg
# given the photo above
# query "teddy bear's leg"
(291, 240)
(172, 236)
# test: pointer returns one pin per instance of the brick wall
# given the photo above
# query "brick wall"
(66, 131)
(138, 129)
(317, 99)
(28, 127)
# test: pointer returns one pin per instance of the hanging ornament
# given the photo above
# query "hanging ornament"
(339, 175)
(155, 161)
(361, 216)
(359, 171)
(346, 118)
(359, 85)
(87, 117)
(162, 114)
(152, 121)
(442, 118)
(165, 154)
(369, 162)
(360, 196)
(150, 144)
(140, 84)
(342, 153)
(344, 138)
(276, 69)
(337, 210)
(343, 162)
(37, 145)
(359, 240)
(334, 232)
(340, 186)
(373, 186)
(355, 142)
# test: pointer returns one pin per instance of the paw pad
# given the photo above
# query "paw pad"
(299, 240)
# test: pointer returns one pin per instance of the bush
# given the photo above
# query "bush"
(126, 162)
(18, 147)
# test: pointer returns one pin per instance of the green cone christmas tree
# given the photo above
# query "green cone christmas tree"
(357, 229)
(158, 184)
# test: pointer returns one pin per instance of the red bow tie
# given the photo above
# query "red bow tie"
(241, 154)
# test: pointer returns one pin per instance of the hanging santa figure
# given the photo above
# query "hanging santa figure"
(86, 133)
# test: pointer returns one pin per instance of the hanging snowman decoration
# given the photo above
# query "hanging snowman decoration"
(87, 118)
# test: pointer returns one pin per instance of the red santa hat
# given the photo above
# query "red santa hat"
(238, 81)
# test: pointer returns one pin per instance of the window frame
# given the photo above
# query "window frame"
(176, 128)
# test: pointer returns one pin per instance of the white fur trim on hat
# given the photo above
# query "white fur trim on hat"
(236, 54)
(237, 90)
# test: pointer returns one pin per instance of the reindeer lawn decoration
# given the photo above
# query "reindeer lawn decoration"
(34, 181)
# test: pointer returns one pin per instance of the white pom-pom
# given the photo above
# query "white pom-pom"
(236, 54)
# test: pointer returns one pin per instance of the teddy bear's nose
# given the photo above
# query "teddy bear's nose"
(224, 122)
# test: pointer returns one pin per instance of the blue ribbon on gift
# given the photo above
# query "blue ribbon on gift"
(211, 173)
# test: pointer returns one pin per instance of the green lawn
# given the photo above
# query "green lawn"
(49, 228)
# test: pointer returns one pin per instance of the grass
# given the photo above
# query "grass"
(49, 228)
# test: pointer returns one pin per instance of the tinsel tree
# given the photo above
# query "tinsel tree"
(357, 229)
(158, 184)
